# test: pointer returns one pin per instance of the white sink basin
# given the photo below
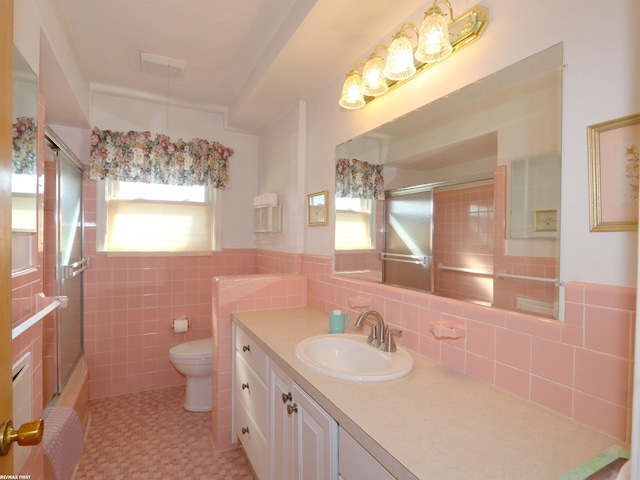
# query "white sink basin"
(349, 357)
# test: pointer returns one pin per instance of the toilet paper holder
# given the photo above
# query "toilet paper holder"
(182, 318)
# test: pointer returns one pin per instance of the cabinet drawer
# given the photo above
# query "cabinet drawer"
(251, 353)
(252, 440)
(254, 394)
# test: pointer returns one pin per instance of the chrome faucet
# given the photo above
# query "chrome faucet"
(377, 333)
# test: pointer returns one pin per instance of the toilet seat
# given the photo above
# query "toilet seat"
(192, 351)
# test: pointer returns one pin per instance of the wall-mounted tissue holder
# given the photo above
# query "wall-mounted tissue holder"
(180, 325)
(267, 214)
(446, 330)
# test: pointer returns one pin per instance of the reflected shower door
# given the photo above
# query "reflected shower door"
(70, 262)
(407, 257)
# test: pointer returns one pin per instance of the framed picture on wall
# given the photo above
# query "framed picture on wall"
(613, 149)
(317, 208)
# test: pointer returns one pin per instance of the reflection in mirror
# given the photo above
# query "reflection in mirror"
(24, 180)
(535, 196)
(456, 174)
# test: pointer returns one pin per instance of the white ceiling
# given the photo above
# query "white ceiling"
(249, 59)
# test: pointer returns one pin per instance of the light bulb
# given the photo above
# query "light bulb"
(400, 58)
(352, 98)
(433, 40)
(373, 81)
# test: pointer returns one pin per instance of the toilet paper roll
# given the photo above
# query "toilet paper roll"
(180, 325)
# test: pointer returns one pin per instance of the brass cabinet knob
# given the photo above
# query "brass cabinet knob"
(292, 408)
(28, 434)
(286, 397)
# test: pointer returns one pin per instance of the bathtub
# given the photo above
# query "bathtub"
(76, 392)
(74, 395)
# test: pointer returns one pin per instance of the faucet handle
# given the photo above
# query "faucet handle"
(388, 344)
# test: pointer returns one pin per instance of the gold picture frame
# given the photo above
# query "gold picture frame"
(613, 148)
(545, 221)
(317, 204)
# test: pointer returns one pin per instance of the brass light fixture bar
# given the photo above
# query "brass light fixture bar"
(462, 31)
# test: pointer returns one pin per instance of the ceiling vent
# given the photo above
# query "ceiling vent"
(153, 64)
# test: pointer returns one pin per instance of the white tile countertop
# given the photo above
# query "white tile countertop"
(435, 423)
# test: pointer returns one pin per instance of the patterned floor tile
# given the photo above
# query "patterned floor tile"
(149, 436)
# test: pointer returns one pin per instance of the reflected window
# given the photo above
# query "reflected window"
(354, 224)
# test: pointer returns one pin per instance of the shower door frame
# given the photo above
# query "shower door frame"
(58, 146)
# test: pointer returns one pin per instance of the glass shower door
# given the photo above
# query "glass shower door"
(407, 257)
(70, 262)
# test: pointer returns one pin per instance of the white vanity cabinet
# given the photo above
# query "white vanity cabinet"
(251, 401)
(304, 438)
(286, 435)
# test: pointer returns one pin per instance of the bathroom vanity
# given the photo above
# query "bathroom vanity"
(433, 423)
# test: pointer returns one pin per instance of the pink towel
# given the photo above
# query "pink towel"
(62, 440)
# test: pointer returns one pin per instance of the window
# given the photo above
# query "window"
(141, 217)
(354, 224)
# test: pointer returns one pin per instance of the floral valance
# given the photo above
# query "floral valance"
(25, 140)
(359, 179)
(153, 158)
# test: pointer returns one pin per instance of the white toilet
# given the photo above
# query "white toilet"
(195, 361)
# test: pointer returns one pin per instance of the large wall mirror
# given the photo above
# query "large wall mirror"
(470, 207)
(24, 181)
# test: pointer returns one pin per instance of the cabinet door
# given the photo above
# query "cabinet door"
(281, 425)
(355, 462)
(316, 440)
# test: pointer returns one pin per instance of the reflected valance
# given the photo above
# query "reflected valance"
(359, 179)
(25, 139)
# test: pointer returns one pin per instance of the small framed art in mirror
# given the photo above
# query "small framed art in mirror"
(317, 208)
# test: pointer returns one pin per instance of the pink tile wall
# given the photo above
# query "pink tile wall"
(130, 303)
(580, 368)
(242, 293)
(268, 261)
(507, 291)
(463, 237)
(352, 262)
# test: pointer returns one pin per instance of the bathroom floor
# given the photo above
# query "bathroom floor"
(149, 435)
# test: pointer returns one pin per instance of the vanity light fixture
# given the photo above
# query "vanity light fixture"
(436, 40)
(373, 81)
(433, 40)
(352, 96)
(400, 64)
